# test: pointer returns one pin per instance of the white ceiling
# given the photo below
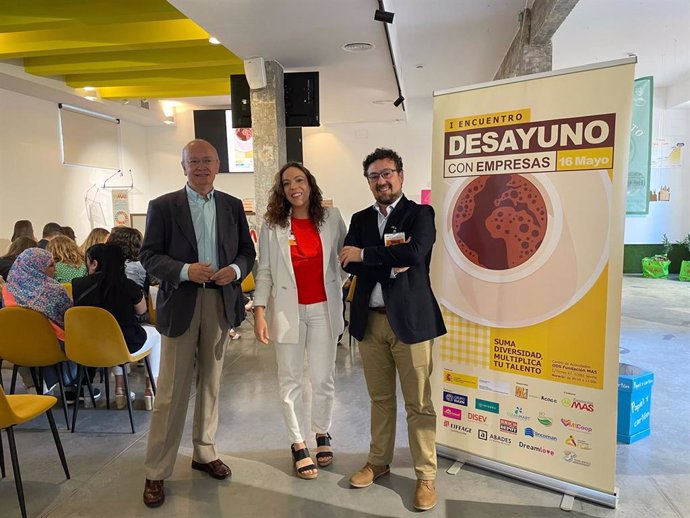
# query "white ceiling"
(438, 44)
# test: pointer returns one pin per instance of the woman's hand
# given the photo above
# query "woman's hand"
(260, 325)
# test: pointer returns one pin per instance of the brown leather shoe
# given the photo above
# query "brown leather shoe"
(154, 494)
(366, 476)
(216, 468)
(425, 495)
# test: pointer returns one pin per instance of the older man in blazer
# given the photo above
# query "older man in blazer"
(395, 317)
(197, 243)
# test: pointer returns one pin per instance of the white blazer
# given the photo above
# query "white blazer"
(276, 288)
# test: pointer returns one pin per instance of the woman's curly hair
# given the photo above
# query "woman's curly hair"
(65, 250)
(279, 207)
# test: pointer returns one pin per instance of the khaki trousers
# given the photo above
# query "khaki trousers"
(205, 340)
(382, 354)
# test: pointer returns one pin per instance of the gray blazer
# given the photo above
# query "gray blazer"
(170, 242)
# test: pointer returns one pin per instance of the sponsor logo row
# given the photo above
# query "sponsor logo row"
(485, 435)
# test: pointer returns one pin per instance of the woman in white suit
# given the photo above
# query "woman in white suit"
(298, 303)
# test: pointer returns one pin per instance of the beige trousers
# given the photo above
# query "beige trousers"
(382, 354)
(205, 341)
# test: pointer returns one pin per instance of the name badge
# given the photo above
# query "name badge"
(394, 238)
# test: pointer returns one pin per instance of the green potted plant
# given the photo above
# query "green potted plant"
(684, 274)
(657, 267)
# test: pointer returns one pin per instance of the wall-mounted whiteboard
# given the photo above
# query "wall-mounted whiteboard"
(89, 139)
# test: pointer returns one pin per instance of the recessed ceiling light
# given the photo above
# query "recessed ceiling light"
(214, 41)
(89, 88)
(360, 46)
(383, 101)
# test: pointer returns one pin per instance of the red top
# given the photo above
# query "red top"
(307, 261)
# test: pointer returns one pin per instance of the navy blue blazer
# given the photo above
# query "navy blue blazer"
(170, 242)
(411, 307)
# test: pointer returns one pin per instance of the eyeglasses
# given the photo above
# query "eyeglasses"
(195, 162)
(386, 174)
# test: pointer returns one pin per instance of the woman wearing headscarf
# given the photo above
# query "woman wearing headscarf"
(30, 284)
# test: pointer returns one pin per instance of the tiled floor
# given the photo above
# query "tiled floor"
(106, 460)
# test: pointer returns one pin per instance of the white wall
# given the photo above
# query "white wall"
(672, 217)
(334, 153)
(37, 186)
(165, 154)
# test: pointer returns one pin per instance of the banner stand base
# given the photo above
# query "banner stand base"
(455, 468)
(567, 502)
(560, 486)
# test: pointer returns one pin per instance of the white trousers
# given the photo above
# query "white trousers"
(316, 339)
(153, 343)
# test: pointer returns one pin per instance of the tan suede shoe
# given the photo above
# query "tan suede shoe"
(366, 476)
(425, 495)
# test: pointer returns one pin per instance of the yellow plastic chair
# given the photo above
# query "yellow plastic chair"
(93, 338)
(19, 409)
(28, 340)
(68, 288)
(248, 286)
(151, 309)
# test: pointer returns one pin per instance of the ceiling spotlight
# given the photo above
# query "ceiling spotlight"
(383, 16)
(358, 46)
(89, 88)
(214, 41)
(398, 101)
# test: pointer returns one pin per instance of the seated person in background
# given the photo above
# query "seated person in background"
(69, 263)
(30, 284)
(17, 246)
(108, 288)
(23, 227)
(50, 231)
(69, 232)
(129, 240)
(96, 236)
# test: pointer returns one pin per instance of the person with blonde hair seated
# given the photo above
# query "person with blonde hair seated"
(96, 236)
(69, 263)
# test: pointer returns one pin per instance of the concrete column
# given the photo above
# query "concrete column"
(268, 123)
(530, 52)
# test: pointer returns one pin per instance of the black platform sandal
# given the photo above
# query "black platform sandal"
(324, 453)
(299, 455)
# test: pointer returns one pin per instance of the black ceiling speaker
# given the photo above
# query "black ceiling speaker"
(383, 16)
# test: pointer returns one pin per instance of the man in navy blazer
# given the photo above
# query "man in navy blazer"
(395, 317)
(197, 243)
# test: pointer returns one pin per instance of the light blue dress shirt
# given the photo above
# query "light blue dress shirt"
(203, 211)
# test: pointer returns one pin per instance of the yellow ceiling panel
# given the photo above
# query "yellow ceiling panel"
(169, 90)
(126, 48)
(153, 76)
(123, 61)
(29, 15)
(98, 38)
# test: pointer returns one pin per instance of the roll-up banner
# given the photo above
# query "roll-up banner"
(529, 187)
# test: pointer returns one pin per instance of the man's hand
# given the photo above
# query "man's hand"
(200, 272)
(224, 276)
(400, 269)
(350, 254)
